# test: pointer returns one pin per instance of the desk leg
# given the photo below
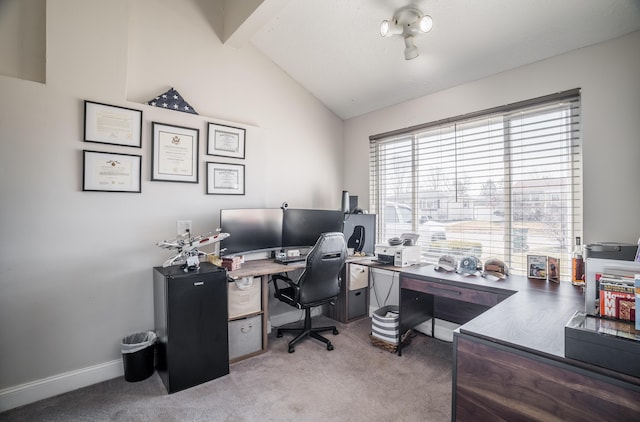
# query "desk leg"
(415, 308)
(265, 310)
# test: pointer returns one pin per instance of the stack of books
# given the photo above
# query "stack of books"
(617, 297)
(232, 263)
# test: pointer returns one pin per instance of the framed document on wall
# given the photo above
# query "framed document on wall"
(174, 153)
(107, 124)
(225, 141)
(110, 172)
(225, 179)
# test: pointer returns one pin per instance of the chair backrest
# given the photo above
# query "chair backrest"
(320, 280)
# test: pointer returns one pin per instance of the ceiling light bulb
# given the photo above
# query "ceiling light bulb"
(389, 28)
(426, 23)
(385, 27)
(410, 50)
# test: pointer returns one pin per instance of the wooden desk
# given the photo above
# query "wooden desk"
(262, 268)
(453, 297)
(509, 361)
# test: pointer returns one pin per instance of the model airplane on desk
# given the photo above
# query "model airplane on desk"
(187, 247)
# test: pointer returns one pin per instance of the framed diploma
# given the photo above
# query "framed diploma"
(109, 172)
(174, 153)
(225, 141)
(225, 179)
(107, 124)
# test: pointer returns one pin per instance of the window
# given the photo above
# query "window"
(503, 183)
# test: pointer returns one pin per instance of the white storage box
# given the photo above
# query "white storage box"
(245, 336)
(443, 330)
(244, 297)
(358, 277)
(385, 324)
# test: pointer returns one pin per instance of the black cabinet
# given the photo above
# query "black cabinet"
(190, 310)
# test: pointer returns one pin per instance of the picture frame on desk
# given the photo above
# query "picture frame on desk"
(225, 141)
(115, 125)
(537, 266)
(225, 179)
(553, 269)
(174, 153)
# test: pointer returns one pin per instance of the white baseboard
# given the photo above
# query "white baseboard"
(52, 386)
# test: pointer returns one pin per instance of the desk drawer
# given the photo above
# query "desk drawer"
(452, 292)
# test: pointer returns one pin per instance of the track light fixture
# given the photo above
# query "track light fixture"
(408, 22)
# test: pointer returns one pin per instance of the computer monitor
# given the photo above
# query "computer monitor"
(251, 230)
(302, 228)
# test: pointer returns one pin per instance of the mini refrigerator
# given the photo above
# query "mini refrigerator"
(190, 311)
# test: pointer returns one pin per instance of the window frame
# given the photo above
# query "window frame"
(507, 114)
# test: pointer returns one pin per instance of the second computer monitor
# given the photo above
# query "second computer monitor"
(251, 230)
(302, 228)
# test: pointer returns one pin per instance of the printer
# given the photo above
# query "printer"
(400, 251)
(398, 256)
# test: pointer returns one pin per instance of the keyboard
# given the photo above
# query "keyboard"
(290, 259)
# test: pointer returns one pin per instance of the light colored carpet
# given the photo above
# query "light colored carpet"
(355, 382)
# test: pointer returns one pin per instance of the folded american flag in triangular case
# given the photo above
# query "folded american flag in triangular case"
(172, 100)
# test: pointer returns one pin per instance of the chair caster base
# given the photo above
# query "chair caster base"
(329, 346)
(335, 332)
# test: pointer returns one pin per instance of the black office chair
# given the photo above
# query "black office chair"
(318, 284)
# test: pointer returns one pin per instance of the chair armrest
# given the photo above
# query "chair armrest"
(276, 277)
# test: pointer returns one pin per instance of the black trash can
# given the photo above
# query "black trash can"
(138, 355)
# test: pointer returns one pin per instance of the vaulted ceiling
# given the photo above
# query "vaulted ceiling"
(334, 49)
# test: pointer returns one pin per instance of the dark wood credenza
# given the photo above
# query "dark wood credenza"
(509, 361)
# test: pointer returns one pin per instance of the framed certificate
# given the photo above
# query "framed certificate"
(174, 153)
(225, 179)
(225, 141)
(107, 124)
(109, 172)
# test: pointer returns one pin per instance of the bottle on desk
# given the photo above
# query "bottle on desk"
(577, 265)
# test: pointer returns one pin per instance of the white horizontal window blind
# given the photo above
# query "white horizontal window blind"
(504, 183)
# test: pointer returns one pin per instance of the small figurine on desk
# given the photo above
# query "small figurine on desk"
(188, 254)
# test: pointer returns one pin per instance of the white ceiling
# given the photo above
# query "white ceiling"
(334, 49)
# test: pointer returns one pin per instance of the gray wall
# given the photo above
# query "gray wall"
(75, 267)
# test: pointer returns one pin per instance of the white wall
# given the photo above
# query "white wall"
(608, 75)
(76, 267)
